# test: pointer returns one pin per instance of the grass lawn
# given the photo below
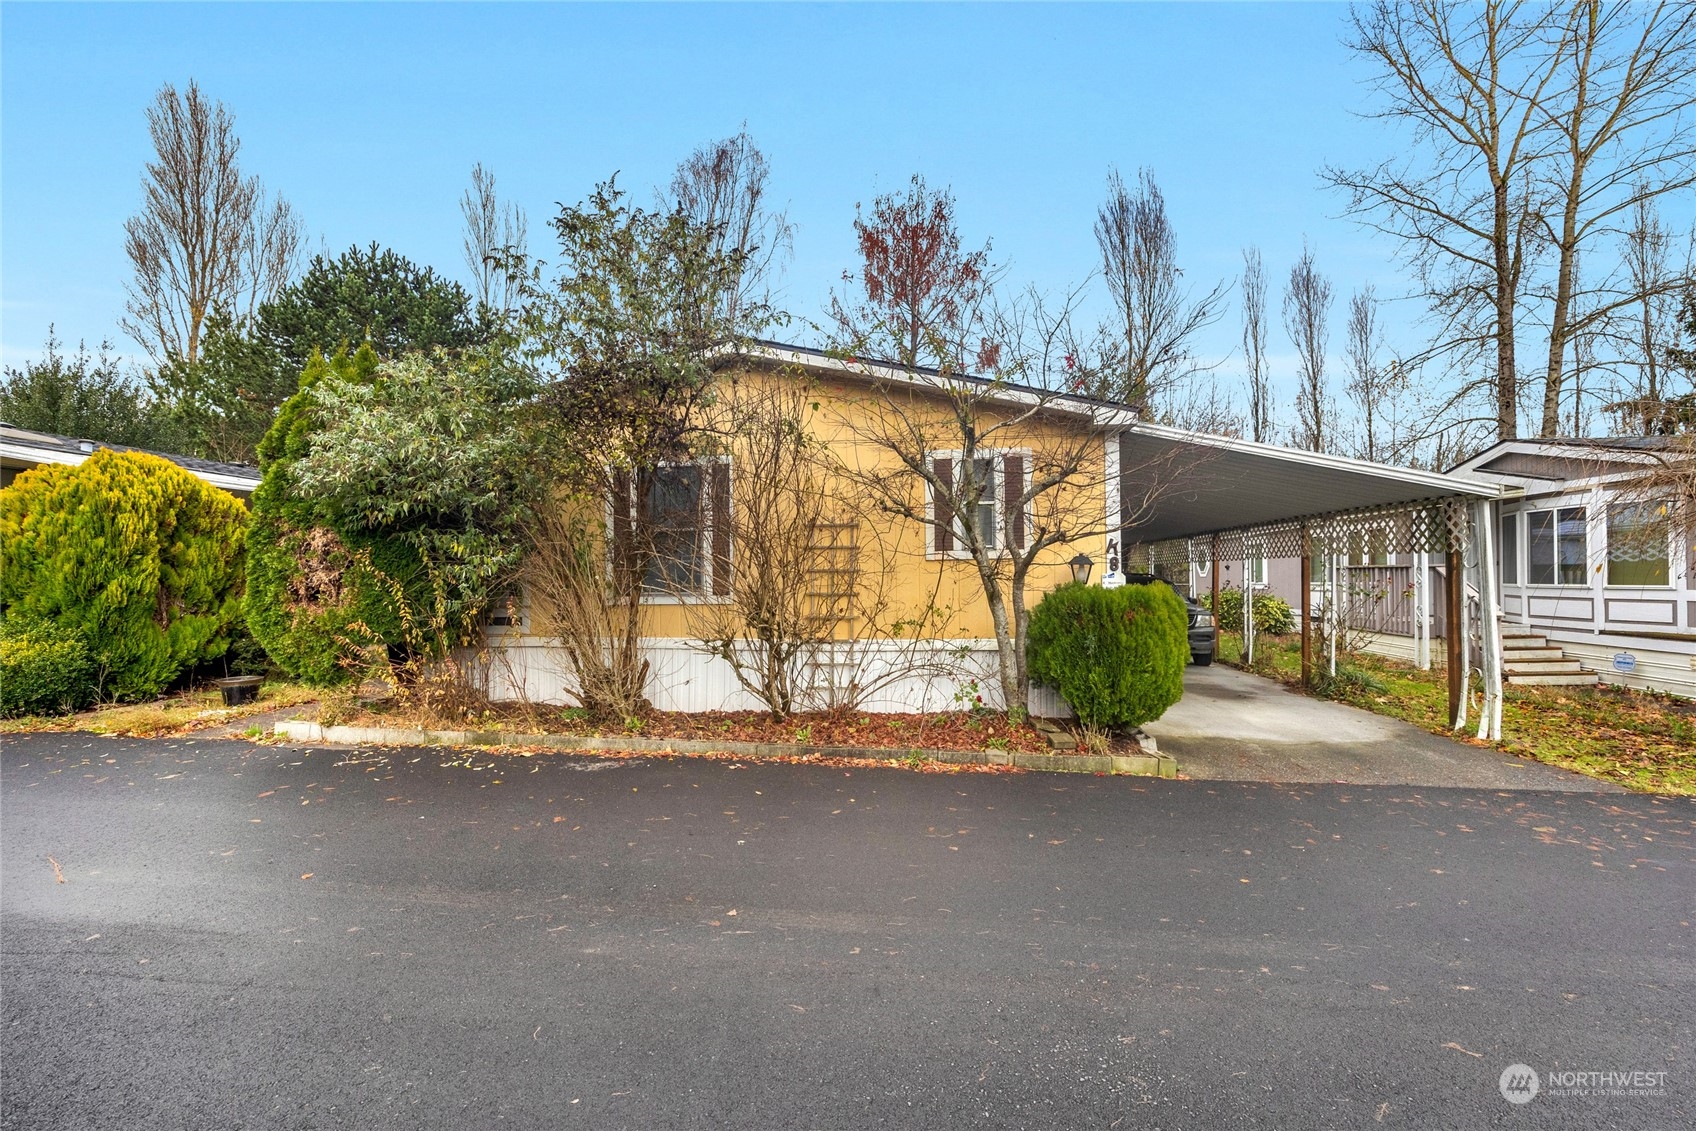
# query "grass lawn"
(181, 712)
(1639, 739)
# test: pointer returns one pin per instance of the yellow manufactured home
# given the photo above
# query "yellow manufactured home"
(926, 483)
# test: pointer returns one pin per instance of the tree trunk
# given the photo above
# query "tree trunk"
(1558, 336)
(1021, 628)
(1012, 690)
(1560, 318)
(1507, 381)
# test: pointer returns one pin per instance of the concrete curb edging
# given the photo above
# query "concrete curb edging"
(1150, 763)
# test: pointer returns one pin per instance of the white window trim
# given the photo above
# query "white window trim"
(1589, 506)
(1673, 571)
(520, 614)
(1254, 564)
(1519, 549)
(706, 595)
(960, 553)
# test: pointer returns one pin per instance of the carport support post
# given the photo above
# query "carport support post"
(1485, 522)
(1422, 611)
(1454, 596)
(1306, 609)
(1213, 561)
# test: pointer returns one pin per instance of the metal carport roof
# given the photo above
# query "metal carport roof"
(1203, 484)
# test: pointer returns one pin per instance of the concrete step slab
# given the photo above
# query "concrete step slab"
(1544, 667)
(1519, 655)
(1587, 679)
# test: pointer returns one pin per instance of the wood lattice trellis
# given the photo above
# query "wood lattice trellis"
(1427, 527)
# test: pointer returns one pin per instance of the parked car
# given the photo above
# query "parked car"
(1201, 621)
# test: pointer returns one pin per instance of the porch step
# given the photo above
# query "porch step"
(1528, 659)
(1513, 655)
(1542, 667)
(1584, 679)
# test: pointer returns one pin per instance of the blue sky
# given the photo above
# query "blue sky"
(368, 119)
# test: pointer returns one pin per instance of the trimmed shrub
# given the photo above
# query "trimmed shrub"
(44, 670)
(1271, 614)
(133, 555)
(1117, 655)
(320, 592)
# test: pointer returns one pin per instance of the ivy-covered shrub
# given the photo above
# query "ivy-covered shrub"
(1271, 614)
(44, 669)
(133, 555)
(316, 585)
(390, 510)
(1116, 655)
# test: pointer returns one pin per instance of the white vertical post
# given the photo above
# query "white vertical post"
(1111, 503)
(1422, 611)
(1489, 592)
(1331, 606)
(1463, 630)
(1248, 613)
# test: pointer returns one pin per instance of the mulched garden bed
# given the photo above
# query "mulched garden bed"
(951, 730)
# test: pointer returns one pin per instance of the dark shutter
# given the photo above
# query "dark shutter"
(1012, 494)
(942, 509)
(623, 547)
(718, 514)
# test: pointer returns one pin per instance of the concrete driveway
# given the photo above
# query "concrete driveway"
(1233, 726)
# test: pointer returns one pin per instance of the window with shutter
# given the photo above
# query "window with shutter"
(1013, 479)
(718, 518)
(687, 539)
(993, 485)
(942, 509)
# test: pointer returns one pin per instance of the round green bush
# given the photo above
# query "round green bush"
(1116, 655)
(319, 589)
(136, 557)
(1271, 614)
(44, 669)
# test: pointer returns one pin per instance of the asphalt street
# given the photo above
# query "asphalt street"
(276, 937)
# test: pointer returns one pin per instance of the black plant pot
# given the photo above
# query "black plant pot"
(239, 689)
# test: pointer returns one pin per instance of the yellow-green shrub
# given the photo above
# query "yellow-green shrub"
(133, 555)
(44, 669)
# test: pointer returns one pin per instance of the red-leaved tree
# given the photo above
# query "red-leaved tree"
(979, 444)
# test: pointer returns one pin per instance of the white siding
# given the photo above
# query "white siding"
(682, 678)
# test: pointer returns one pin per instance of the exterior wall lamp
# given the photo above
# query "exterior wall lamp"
(1081, 565)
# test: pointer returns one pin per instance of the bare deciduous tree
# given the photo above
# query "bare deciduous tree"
(582, 601)
(1624, 135)
(721, 187)
(1468, 82)
(1156, 317)
(1646, 333)
(962, 385)
(1257, 371)
(1536, 126)
(1375, 387)
(207, 238)
(786, 596)
(1307, 309)
(495, 234)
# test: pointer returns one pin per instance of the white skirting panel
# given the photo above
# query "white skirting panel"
(934, 676)
(1656, 665)
(1394, 647)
